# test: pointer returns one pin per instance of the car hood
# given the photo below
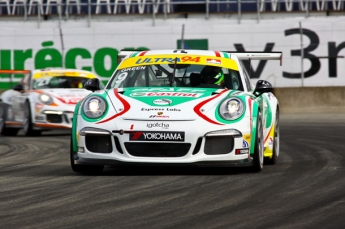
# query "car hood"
(166, 103)
(67, 96)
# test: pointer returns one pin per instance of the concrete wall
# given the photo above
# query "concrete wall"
(94, 48)
(311, 100)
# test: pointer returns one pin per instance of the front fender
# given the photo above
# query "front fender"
(254, 107)
(74, 133)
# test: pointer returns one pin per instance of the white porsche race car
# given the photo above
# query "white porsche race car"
(43, 100)
(177, 107)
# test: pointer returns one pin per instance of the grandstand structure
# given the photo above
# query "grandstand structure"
(65, 9)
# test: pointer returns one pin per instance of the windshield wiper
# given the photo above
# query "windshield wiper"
(173, 74)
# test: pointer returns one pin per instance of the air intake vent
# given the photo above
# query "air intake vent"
(157, 149)
(99, 143)
(219, 145)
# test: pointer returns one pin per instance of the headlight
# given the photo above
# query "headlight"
(94, 107)
(45, 99)
(231, 109)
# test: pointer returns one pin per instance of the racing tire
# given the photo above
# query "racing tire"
(27, 122)
(276, 143)
(86, 169)
(258, 158)
(3, 129)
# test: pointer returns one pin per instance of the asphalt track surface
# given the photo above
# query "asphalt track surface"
(305, 189)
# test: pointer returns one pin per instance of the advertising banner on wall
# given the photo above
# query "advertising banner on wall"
(321, 42)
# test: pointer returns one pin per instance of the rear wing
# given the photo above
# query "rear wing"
(7, 79)
(258, 55)
(14, 71)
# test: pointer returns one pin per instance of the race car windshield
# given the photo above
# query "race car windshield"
(59, 82)
(179, 75)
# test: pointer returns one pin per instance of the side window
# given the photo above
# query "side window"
(232, 79)
(246, 77)
(140, 80)
(235, 80)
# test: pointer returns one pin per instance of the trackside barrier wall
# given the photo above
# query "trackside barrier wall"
(304, 100)
(24, 46)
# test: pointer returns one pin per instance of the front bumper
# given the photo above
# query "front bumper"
(111, 162)
(53, 119)
(198, 148)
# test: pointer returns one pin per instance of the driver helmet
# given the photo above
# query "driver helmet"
(77, 84)
(213, 75)
(219, 78)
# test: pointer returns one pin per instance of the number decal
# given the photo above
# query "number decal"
(186, 58)
(196, 59)
(122, 77)
(42, 82)
(191, 59)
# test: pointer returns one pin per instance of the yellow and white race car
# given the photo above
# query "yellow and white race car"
(43, 100)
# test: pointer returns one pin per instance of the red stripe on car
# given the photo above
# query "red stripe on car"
(217, 54)
(268, 134)
(126, 107)
(198, 112)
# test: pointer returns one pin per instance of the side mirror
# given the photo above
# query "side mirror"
(262, 86)
(92, 85)
(18, 87)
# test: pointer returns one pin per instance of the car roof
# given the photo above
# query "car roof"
(176, 51)
(248, 55)
(62, 71)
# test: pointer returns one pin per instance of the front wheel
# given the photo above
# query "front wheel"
(258, 159)
(87, 169)
(27, 122)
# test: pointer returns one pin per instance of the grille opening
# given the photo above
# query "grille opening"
(99, 143)
(117, 144)
(219, 145)
(197, 146)
(157, 149)
(54, 118)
